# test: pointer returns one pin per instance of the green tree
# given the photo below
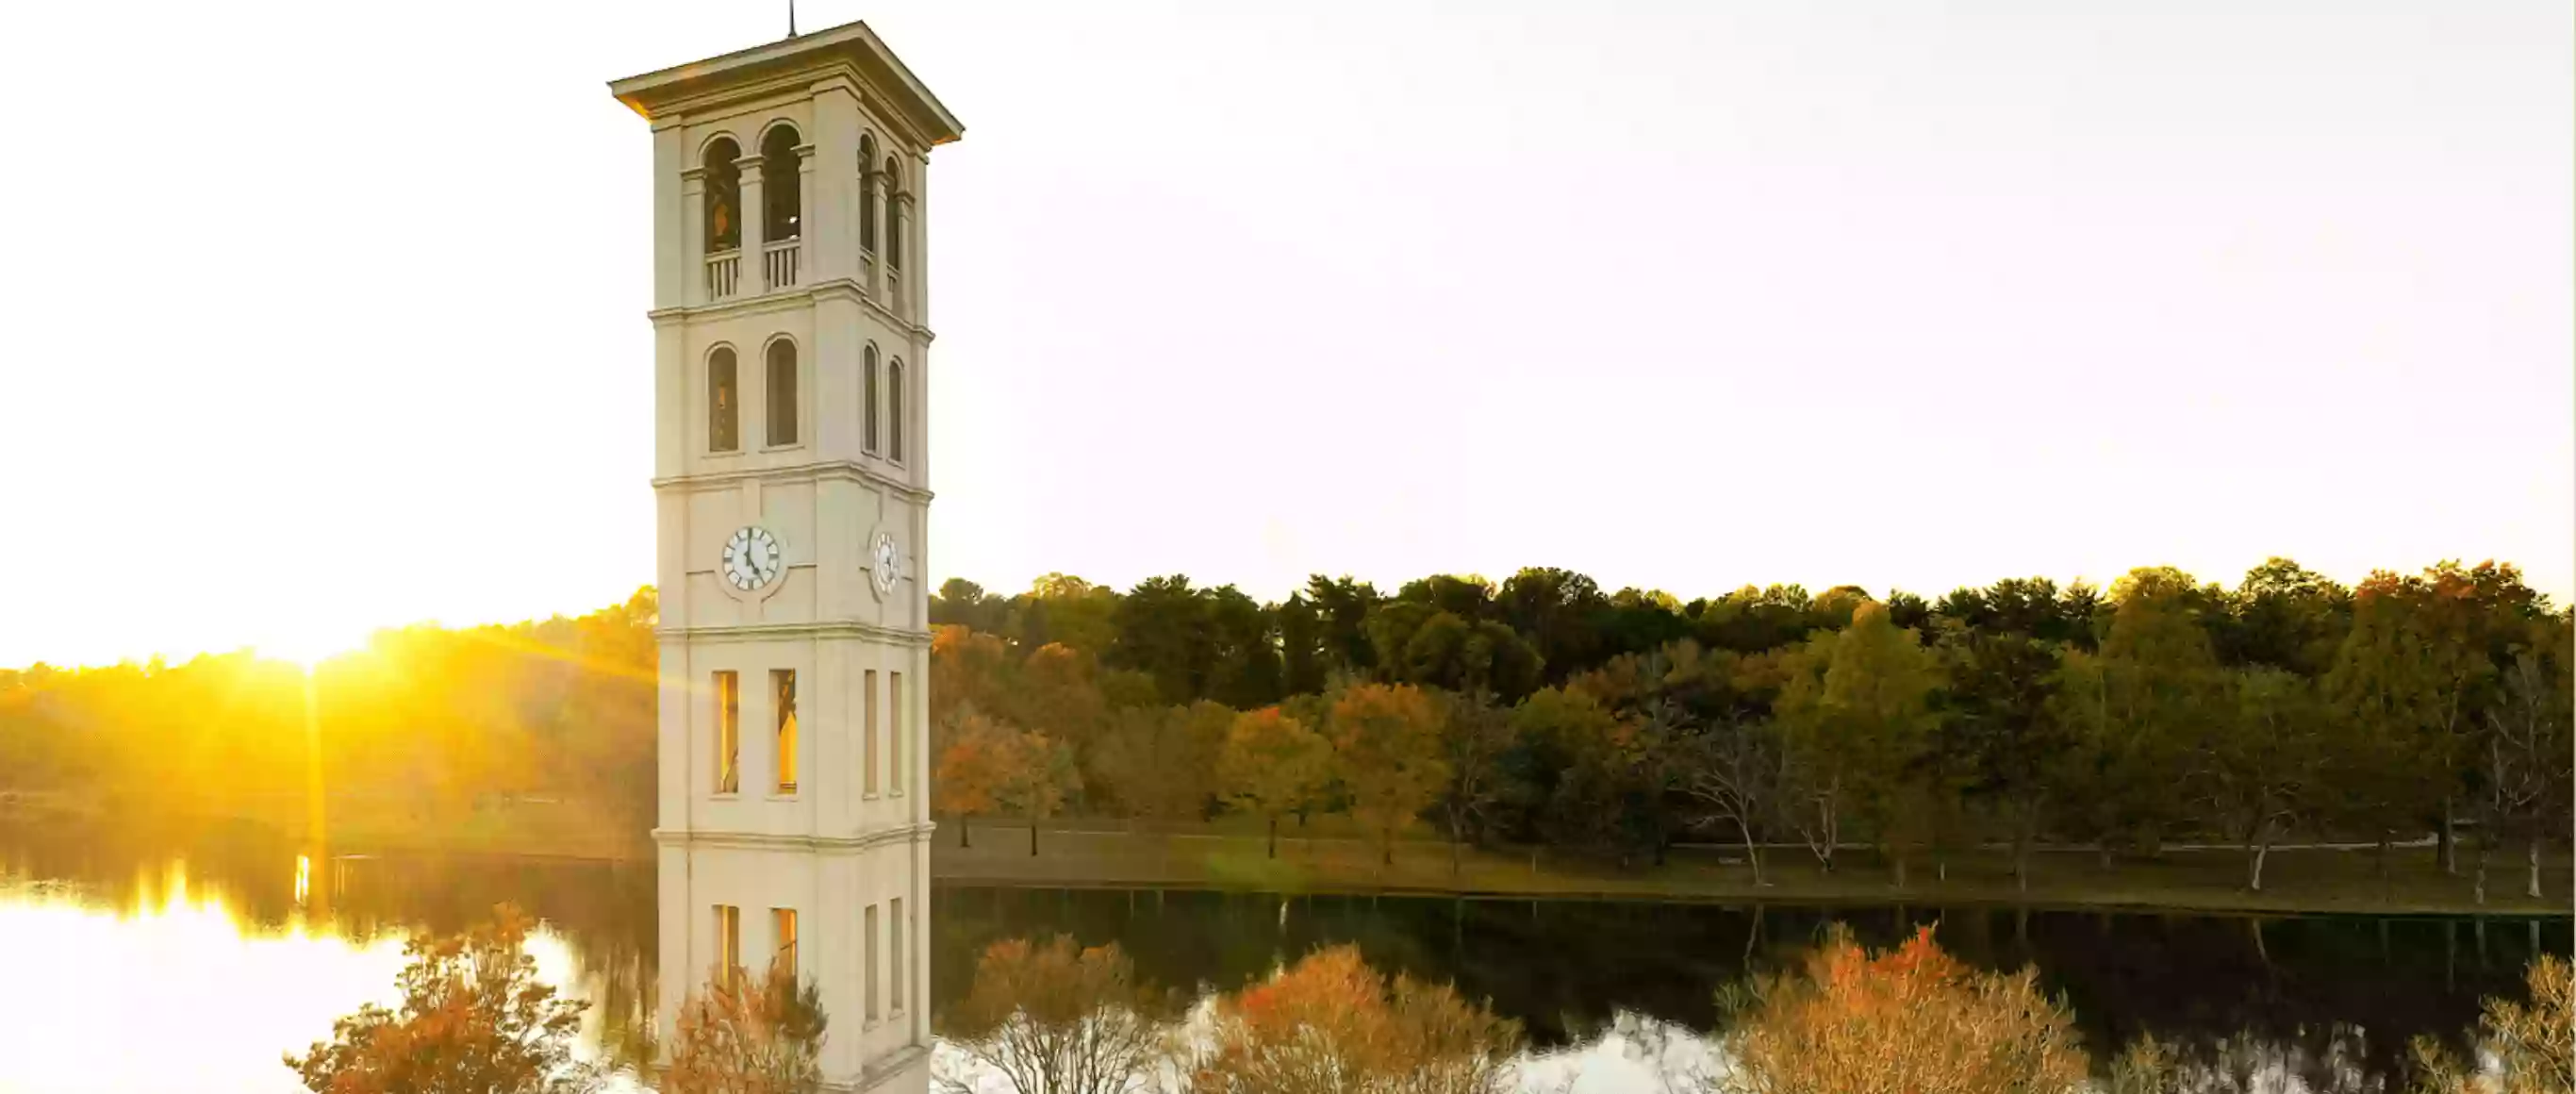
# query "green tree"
(2135, 707)
(2411, 685)
(2288, 617)
(2001, 719)
(1386, 749)
(2259, 765)
(1568, 769)
(1856, 718)
(1305, 653)
(1067, 609)
(1342, 609)
(1474, 736)
(473, 1018)
(2525, 768)
(1273, 765)
(1731, 769)
(1197, 643)
(1559, 612)
(1439, 649)
(963, 603)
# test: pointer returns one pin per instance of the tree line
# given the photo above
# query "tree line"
(1541, 710)
(421, 728)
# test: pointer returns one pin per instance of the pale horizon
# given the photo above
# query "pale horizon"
(332, 318)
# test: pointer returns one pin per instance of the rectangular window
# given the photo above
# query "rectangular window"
(728, 733)
(868, 946)
(894, 412)
(868, 733)
(782, 393)
(868, 397)
(729, 944)
(782, 684)
(724, 403)
(782, 922)
(902, 774)
(894, 950)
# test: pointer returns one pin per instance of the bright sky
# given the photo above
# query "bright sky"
(327, 316)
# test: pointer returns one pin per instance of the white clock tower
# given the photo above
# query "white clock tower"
(791, 471)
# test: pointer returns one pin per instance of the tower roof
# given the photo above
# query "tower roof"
(850, 46)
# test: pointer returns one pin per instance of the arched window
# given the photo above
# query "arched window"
(893, 216)
(894, 411)
(782, 392)
(778, 185)
(724, 196)
(867, 195)
(724, 403)
(868, 391)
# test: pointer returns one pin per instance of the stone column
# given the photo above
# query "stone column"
(899, 223)
(755, 222)
(805, 203)
(693, 236)
(872, 259)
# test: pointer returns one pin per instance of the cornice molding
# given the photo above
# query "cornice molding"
(828, 471)
(773, 841)
(754, 304)
(724, 96)
(767, 632)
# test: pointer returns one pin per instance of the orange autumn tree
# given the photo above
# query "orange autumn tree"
(1909, 1019)
(969, 769)
(1386, 748)
(473, 1016)
(749, 1035)
(1331, 1023)
(1271, 764)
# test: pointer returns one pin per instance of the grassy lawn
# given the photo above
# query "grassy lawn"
(1331, 858)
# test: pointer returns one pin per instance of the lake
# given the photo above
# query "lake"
(134, 960)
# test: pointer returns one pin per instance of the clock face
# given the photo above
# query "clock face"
(884, 566)
(751, 558)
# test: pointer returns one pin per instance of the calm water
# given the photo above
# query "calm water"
(128, 963)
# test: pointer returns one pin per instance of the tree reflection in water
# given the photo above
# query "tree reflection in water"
(1622, 986)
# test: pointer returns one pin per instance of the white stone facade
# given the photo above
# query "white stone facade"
(825, 447)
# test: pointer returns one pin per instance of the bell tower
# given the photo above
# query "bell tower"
(791, 475)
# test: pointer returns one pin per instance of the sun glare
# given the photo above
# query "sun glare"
(307, 648)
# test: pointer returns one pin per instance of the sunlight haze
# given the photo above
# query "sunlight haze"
(331, 316)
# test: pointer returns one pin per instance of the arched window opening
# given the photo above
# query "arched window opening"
(867, 195)
(782, 392)
(778, 185)
(724, 403)
(894, 216)
(894, 411)
(724, 196)
(868, 391)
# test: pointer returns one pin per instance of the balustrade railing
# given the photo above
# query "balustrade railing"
(724, 274)
(778, 264)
